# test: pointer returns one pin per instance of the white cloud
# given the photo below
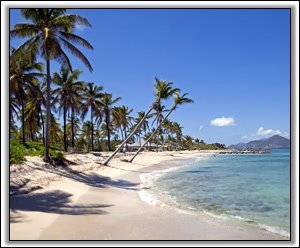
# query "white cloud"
(223, 122)
(265, 133)
(268, 132)
(201, 127)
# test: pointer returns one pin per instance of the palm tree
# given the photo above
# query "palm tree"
(74, 126)
(159, 109)
(163, 90)
(55, 130)
(144, 127)
(85, 136)
(92, 100)
(122, 118)
(48, 30)
(178, 131)
(167, 125)
(178, 100)
(107, 103)
(68, 92)
(188, 142)
(23, 76)
(33, 111)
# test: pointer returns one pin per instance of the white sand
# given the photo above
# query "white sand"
(88, 201)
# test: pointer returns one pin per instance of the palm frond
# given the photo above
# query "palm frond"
(31, 14)
(69, 20)
(23, 30)
(77, 39)
(75, 51)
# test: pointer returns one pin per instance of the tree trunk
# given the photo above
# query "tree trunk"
(125, 133)
(129, 136)
(152, 135)
(122, 133)
(48, 112)
(157, 137)
(108, 130)
(23, 120)
(92, 134)
(43, 128)
(31, 132)
(65, 129)
(10, 114)
(72, 127)
(140, 140)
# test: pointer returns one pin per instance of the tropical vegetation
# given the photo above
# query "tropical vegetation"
(53, 112)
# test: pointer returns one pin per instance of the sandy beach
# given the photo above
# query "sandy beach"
(88, 201)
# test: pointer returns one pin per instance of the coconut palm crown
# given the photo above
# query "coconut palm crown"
(48, 32)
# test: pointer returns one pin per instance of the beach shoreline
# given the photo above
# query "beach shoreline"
(103, 203)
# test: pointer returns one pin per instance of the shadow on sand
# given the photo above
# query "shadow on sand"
(92, 179)
(56, 201)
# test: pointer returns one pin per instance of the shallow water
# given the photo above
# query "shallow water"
(253, 188)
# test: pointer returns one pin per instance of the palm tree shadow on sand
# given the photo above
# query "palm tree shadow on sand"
(56, 201)
(91, 179)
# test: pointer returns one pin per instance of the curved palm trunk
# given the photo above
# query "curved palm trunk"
(65, 129)
(92, 134)
(48, 113)
(152, 135)
(129, 136)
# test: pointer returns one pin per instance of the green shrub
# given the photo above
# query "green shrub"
(34, 148)
(56, 155)
(17, 152)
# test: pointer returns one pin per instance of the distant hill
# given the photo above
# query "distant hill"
(275, 141)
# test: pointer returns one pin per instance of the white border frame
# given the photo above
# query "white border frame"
(5, 5)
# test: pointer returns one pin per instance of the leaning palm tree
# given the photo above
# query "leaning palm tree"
(92, 100)
(68, 91)
(163, 90)
(178, 100)
(107, 103)
(48, 30)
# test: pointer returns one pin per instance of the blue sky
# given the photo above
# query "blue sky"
(235, 65)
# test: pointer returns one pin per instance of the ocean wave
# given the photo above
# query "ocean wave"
(155, 198)
(147, 180)
(275, 230)
(271, 229)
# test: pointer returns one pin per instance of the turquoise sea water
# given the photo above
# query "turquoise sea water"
(254, 188)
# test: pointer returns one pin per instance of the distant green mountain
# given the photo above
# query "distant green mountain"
(275, 141)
